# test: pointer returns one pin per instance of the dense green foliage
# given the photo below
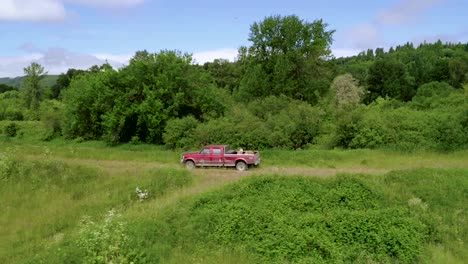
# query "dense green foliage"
(44, 201)
(284, 90)
(287, 57)
(137, 101)
(6, 88)
(305, 220)
(70, 202)
(275, 219)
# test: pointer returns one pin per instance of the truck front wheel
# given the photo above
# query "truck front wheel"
(189, 164)
(241, 166)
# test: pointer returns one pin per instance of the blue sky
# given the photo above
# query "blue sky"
(62, 34)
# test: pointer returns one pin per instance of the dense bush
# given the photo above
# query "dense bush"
(179, 132)
(11, 130)
(11, 106)
(433, 95)
(239, 128)
(34, 175)
(52, 117)
(135, 102)
(387, 123)
(300, 220)
(290, 124)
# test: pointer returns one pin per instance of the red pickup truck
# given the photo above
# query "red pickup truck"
(220, 156)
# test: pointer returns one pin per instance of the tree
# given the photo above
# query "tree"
(63, 82)
(226, 73)
(135, 102)
(6, 88)
(389, 78)
(32, 85)
(347, 91)
(458, 70)
(287, 56)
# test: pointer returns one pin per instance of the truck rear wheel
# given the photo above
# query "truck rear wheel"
(189, 164)
(241, 166)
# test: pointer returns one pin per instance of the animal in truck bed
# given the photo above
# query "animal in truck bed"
(220, 156)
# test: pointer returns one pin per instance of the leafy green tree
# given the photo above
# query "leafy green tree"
(136, 102)
(32, 85)
(432, 95)
(6, 88)
(287, 56)
(179, 132)
(226, 74)
(63, 82)
(88, 97)
(389, 78)
(458, 71)
(11, 106)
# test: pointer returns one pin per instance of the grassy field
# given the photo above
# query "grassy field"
(71, 202)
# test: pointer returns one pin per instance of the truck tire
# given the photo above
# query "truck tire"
(241, 166)
(189, 164)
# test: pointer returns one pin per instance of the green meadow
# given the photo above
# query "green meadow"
(85, 202)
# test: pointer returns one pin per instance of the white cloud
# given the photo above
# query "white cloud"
(345, 52)
(107, 3)
(369, 34)
(120, 58)
(405, 11)
(55, 61)
(31, 10)
(59, 60)
(12, 66)
(52, 10)
(208, 56)
(363, 36)
(455, 37)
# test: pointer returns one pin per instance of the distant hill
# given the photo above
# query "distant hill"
(15, 82)
(48, 81)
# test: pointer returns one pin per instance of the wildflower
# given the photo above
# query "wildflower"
(142, 195)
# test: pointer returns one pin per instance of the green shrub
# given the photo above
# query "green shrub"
(432, 95)
(449, 133)
(51, 112)
(96, 242)
(299, 219)
(11, 106)
(293, 125)
(11, 130)
(39, 174)
(239, 128)
(346, 126)
(400, 128)
(179, 133)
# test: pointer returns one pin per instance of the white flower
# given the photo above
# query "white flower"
(141, 194)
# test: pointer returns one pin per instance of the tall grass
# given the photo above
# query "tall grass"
(364, 158)
(400, 217)
(56, 196)
(44, 200)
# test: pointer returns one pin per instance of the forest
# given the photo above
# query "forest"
(284, 91)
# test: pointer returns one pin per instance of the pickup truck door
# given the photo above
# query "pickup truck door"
(203, 158)
(217, 157)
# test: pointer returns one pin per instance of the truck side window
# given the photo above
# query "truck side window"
(205, 151)
(217, 151)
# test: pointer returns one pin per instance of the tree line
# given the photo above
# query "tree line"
(284, 90)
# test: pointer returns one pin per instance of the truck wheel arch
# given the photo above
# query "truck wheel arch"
(189, 164)
(241, 165)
